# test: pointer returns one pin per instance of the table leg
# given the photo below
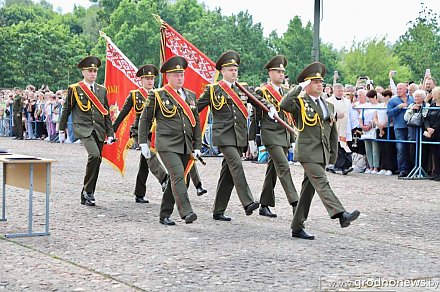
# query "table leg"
(4, 194)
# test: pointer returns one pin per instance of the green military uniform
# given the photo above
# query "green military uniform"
(17, 110)
(89, 124)
(316, 146)
(176, 137)
(230, 135)
(137, 100)
(277, 139)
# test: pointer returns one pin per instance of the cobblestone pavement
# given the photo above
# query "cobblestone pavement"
(120, 246)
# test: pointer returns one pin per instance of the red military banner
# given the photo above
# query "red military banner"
(200, 72)
(120, 78)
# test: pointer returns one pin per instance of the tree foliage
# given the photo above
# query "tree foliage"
(419, 47)
(39, 45)
(372, 58)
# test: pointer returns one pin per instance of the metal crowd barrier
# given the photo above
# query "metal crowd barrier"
(417, 172)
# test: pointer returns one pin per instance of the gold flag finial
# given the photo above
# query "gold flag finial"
(158, 19)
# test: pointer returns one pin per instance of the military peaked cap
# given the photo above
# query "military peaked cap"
(278, 62)
(228, 59)
(315, 70)
(174, 64)
(90, 62)
(148, 70)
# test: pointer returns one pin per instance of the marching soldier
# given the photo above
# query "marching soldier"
(229, 132)
(316, 146)
(137, 99)
(87, 101)
(276, 138)
(177, 136)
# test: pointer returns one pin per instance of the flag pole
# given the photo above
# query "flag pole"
(263, 107)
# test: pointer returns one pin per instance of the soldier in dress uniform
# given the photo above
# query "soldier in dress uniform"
(316, 146)
(17, 111)
(229, 133)
(276, 138)
(136, 99)
(178, 136)
(87, 101)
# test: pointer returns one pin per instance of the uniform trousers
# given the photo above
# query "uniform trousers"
(94, 150)
(18, 125)
(278, 166)
(177, 188)
(315, 178)
(231, 174)
(145, 166)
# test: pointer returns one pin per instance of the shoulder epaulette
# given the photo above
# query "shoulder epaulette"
(159, 89)
(73, 85)
(99, 85)
(134, 90)
(190, 91)
(243, 83)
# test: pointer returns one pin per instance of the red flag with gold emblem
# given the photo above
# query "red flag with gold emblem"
(201, 70)
(120, 78)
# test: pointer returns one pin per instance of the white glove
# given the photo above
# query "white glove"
(304, 84)
(272, 112)
(62, 136)
(110, 140)
(253, 148)
(197, 153)
(145, 149)
(293, 146)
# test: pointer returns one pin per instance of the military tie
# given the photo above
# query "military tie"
(281, 91)
(321, 107)
(91, 88)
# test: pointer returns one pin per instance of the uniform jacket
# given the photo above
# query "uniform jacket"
(229, 126)
(174, 132)
(318, 143)
(134, 99)
(87, 119)
(272, 133)
(17, 105)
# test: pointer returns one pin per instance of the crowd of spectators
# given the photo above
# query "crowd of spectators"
(40, 112)
(377, 114)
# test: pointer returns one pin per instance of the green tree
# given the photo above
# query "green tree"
(296, 45)
(39, 53)
(372, 58)
(135, 31)
(330, 58)
(419, 47)
(15, 13)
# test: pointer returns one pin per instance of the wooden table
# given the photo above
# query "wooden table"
(30, 173)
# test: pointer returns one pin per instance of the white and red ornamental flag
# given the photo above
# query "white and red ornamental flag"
(200, 72)
(120, 78)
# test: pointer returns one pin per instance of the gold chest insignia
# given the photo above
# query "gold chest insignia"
(167, 102)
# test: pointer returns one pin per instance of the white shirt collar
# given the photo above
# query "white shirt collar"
(277, 88)
(313, 98)
(228, 83)
(88, 84)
